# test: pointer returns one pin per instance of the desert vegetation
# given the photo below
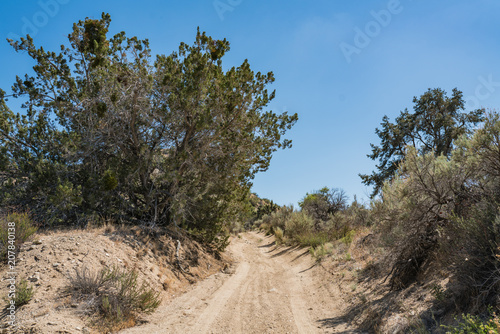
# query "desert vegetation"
(435, 205)
(114, 295)
(109, 134)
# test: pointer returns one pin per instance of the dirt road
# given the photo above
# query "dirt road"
(272, 290)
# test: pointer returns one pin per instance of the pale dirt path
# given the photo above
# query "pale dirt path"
(273, 290)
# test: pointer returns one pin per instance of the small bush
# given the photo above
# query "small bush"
(118, 296)
(87, 283)
(339, 225)
(275, 219)
(313, 239)
(236, 227)
(278, 233)
(23, 227)
(265, 228)
(348, 237)
(321, 251)
(24, 293)
(299, 226)
(474, 325)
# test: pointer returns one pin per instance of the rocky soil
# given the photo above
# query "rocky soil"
(255, 287)
(51, 258)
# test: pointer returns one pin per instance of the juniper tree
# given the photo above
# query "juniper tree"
(108, 130)
(435, 123)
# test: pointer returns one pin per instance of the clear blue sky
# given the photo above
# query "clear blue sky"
(341, 65)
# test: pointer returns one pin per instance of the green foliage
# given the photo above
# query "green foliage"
(311, 239)
(23, 231)
(447, 208)
(438, 292)
(299, 229)
(115, 293)
(417, 204)
(339, 225)
(470, 324)
(279, 234)
(24, 293)
(298, 226)
(321, 251)
(348, 237)
(266, 209)
(435, 124)
(324, 202)
(357, 214)
(276, 219)
(109, 180)
(109, 130)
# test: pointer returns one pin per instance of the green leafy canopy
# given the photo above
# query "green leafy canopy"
(171, 140)
(435, 123)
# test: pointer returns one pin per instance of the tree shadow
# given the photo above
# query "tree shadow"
(300, 255)
(268, 245)
(284, 251)
(336, 321)
(314, 265)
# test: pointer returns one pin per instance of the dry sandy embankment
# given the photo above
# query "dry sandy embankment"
(50, 258)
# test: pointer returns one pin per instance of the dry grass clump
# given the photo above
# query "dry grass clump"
(114, 295)
(15, 229)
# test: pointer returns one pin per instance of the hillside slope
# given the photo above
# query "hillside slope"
(51, 258)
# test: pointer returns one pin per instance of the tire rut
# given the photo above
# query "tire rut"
(273, 290)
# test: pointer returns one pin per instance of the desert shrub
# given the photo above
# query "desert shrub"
(265, 227)
(470, 324)
(449, 208)
(301, 228)
(236, 227)
(24, 293)
(23, 231)
(358, 214)
(415, 206)
(128, 297)
(278, 233)
(280, 217)
(298, 225)
(267, 208)
(472, 241)
(116, 293)
(264, 224)
(348, 237)
(275, 219)
(475, 258)
(338, 225)
(86, 282)
(324, 202)
(321, 251)
(312, 239)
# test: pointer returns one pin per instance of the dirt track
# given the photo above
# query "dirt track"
(272, 290)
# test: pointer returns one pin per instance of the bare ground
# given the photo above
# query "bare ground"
(271, 290)
(268, 289)
(48, 261)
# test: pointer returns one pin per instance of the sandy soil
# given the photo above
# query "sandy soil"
(270, 290)
(48, 262)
